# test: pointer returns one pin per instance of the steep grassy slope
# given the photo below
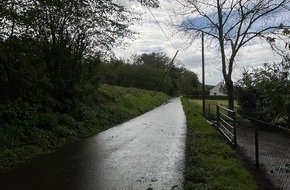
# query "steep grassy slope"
(30, 133)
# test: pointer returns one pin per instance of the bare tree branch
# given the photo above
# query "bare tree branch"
(232, 23)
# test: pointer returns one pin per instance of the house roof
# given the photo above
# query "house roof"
(220, 87)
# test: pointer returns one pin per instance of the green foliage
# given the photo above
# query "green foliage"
(210, 162)
(49, 50)
(146, 72)
(197, 92)
(156, 60)
(47, 121)
(30, 129)
(264, 93)
(139, 75)
(21, 69)
(9, 156)
(73, 24)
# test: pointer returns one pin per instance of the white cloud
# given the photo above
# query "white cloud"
(151, 39)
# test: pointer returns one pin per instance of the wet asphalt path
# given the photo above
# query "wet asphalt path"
(144, 153)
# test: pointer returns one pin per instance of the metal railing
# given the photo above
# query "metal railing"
(226, 123)
(265, 146)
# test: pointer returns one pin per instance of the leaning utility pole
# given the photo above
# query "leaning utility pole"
(170, 65)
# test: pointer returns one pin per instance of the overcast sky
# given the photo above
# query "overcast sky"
(151, 39)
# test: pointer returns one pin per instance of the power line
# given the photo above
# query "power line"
(161, 28)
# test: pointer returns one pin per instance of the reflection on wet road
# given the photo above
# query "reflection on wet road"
(144, 153)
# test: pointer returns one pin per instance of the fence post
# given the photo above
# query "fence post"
(218, 116)
(208, 110)
(257, 148)
(235, 128)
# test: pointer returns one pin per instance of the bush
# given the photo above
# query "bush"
(264, 93)
(47, 121)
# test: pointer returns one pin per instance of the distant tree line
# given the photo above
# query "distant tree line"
(145, 72)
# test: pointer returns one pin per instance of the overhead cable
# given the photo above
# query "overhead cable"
(161, 28)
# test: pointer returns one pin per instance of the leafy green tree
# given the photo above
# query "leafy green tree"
(156, 60)
(158, 63)
(70, 30)
(22, 69)
(189, 82)
(65, 33)
(264, 93)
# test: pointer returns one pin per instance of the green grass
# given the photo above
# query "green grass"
(24, 138)
(213, 104)
(210, 162)
(211, 111)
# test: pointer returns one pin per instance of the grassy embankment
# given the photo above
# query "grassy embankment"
(210, 162)
(33, 134)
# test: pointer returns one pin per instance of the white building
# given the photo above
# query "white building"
(218, 90)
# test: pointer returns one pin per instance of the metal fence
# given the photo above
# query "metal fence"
(266, 146)
(226, 123)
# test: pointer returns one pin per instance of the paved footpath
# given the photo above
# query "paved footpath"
(145, 153)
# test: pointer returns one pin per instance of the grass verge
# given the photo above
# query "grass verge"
(29, 133)
(210, 162)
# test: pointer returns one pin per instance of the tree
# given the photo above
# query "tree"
(65, 33)
(189, 82)
(137, 75)
(21, 69)
(160, 61)
(263, 93)
(232, 24)
(146, 72)
(156, 60)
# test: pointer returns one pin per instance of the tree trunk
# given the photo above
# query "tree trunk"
(226, 75)
(230, 89)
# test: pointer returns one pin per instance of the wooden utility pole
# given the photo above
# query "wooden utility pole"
(203, 81)
(170, 65)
